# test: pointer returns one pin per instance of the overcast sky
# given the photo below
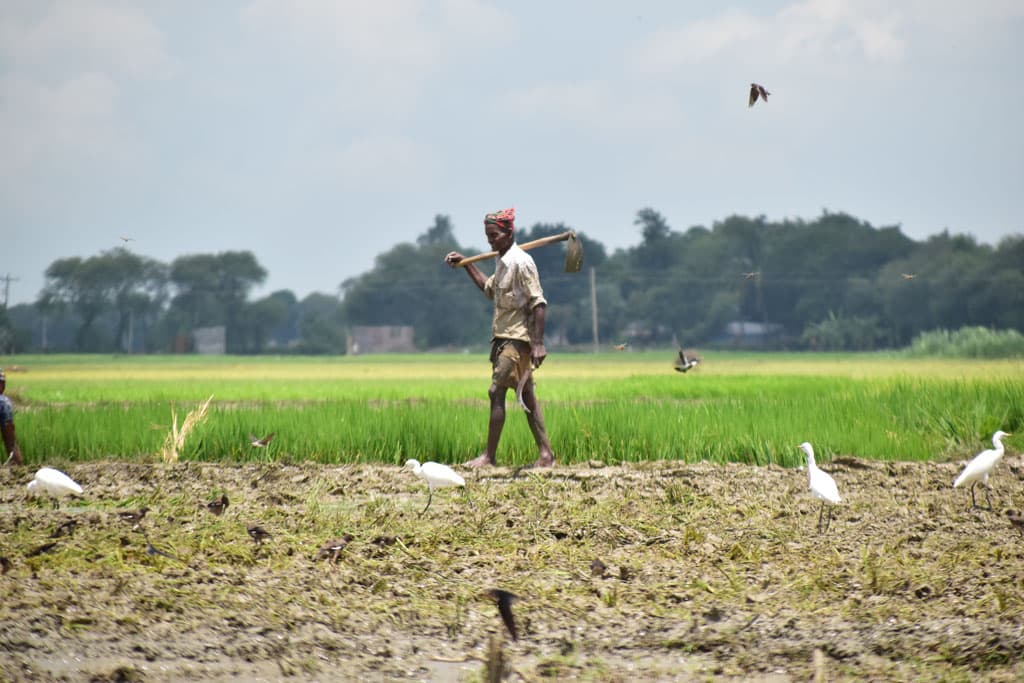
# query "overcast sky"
(319, 133)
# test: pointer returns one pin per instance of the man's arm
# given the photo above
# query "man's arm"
(11, 443)
(475, 274)
(537, 350)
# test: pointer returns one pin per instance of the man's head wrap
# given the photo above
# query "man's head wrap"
(504, 219)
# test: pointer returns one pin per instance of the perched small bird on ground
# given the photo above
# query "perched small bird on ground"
(756, 90)
(823, 486)
(5, 565)
(261, 443)
(258, 533)
(218, 505)
(504, 601)
(436, 475)
(1016, 518)
(54, 482)
(332, 549)
(44, 548)
(684, 362)
(981, 467)
(65, 528)
(133, 516)
(598, 568)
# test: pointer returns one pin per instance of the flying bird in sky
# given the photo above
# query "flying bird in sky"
(504, 601)
(755, 91)
(126, 240)
(684, 362)
(908, 276)
(621, 347)
(261, 443)
(751, 275)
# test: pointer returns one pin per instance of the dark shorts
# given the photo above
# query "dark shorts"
(510, 360)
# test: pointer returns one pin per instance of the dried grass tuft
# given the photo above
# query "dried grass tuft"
(176, 438)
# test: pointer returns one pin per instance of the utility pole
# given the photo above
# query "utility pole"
(7, 279)
(593, 309)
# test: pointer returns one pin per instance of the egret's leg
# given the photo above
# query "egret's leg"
(973, 503)
(828, 522)
(430, 496)
(821, 511)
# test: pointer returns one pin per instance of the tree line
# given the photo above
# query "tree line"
(833, 283)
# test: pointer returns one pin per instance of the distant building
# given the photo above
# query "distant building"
(751, 333)
(210, 341)
(381, 339)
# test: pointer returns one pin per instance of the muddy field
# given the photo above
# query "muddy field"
(710, 572)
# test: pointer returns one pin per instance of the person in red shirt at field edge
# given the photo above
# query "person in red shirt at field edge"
(517, 332)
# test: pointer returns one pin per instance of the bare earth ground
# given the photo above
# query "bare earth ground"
(713, 572)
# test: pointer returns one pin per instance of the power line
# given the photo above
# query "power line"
(8, 279)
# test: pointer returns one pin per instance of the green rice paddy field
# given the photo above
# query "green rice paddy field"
(612, 407)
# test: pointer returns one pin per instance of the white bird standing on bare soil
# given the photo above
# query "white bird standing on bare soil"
(823, 486)
(54, 482)
(436, 475)
(981, 466)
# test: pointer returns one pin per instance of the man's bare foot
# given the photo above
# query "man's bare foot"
(482, 461)
(543, 461)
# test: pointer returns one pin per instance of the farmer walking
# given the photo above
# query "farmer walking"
(517, 333)
(7, 425)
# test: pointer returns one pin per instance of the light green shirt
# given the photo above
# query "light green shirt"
(516, 291)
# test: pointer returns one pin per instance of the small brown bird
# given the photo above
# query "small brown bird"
(133, 516)
(1016, 519)
(218, 505)
(504, 601)
(621, 347)
(908, 276)
(65, 528)
(756, 90)
(44, 548)
(684, 363)
(261, 443)
(5, 565)
(598, 568)
(258, 533)
(332, 549)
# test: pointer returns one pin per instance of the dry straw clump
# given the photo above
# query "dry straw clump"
(176, 438)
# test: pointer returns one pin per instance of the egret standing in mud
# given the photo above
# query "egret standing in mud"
(436, 475)
(981, 466)
(823, 486)
(54, 482)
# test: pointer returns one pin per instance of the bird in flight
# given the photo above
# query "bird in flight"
(908, 276)
(218, 505)
(755, 91)
(621, 347)
(504, 601)
(685, 363)
(126, 240)
(261, 443)
(753, 275)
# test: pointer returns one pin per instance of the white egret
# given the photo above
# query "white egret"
(436, 475)
(54, 482)
(823, 486)
(981, 466)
